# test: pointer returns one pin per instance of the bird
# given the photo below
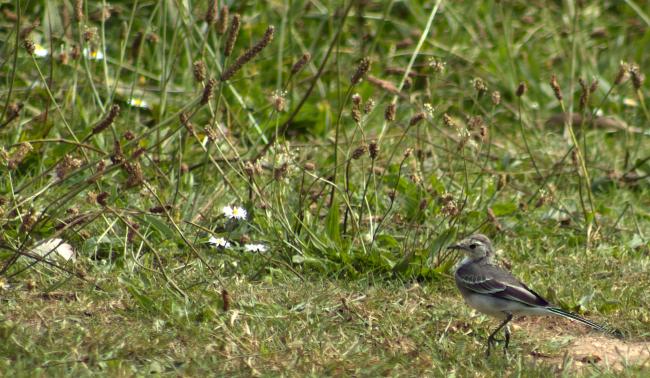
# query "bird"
(494, 291)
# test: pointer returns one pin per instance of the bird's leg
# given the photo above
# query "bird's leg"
(492, 340)
(507, 339)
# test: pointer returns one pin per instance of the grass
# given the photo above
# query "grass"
(118, 142)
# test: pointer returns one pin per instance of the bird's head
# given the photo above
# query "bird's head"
(475, 247)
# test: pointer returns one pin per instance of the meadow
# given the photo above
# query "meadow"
(269, 188)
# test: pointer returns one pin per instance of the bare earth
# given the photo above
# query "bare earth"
(585, 347)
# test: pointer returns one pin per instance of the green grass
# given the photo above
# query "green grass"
(356, 279)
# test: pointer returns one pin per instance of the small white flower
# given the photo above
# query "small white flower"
(219, 242)
(3, 285)
(93, 54)
(138, 103)
(40, 51)
(255, 248)
(234, 212)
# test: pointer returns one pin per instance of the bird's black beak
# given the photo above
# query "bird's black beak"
(455, 246)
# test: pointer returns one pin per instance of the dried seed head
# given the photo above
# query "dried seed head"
(19, 155)
(66, 165)
(383, 84)
(556, 87)
(108, 120)
(89, 34)
(437, 66)
(408, 152)
(211, 133)
(448, 121)
(373, 150)
(392, 194)
(279, 101)
(207, 91)
(298, 66)
(450, 209)
(637, 76)
(281, 172)
(102, 198)
(222, 25)
(360, 73)
(249, 54)
(101, 166)
(390, 112)
(211, 12)
(309, 166)
(184, 168)
(369, 105)
(117, 157)
(416, 119)
(29, 46)
(356, 100)
(198, 68)
(75, 52)
(623, 73)
(13, 111)
(483, 132)
(225, 298)
(480, 87)
(79, 10)
(423, 204)
(356, 107)
(135, 177)
(29, 221)
(233, 33)
(496, 98)
(521, 89)
(359, 152)
(356, 115)
(474, 122)
(408, 83)
(138, 152)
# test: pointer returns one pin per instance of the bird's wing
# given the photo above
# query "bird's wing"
(492, 280)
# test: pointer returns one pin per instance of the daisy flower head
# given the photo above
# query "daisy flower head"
(255, 248)
(93, 54)
(138, 103)
(219, 242)
(235, 212)
(40, 51)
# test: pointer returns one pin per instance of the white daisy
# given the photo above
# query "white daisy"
(234, 212)
(255, 248)
(93, 54)
(219, 242)
(40, 51)
(138, 103)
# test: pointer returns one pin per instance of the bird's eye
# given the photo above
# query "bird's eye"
(473, 246)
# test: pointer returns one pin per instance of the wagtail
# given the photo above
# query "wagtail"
(494, 291)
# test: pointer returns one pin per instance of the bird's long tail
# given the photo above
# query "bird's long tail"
(558, 311)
